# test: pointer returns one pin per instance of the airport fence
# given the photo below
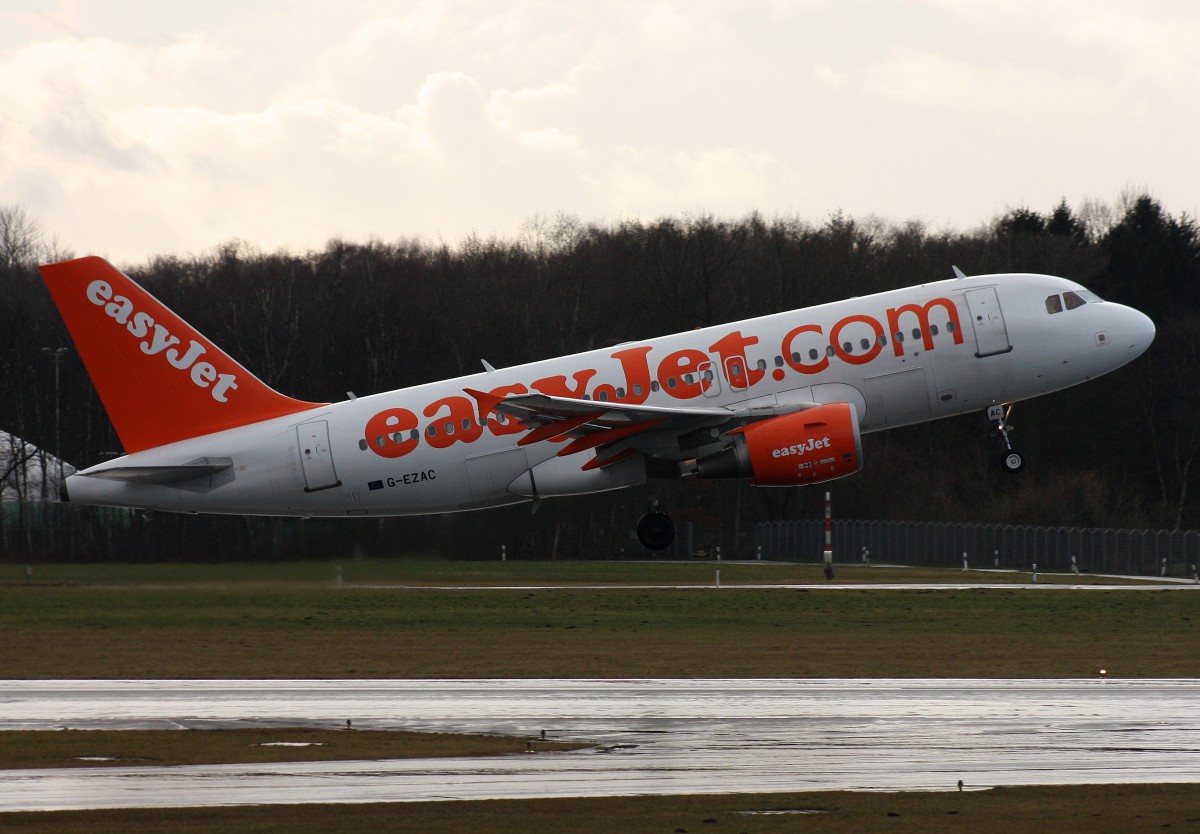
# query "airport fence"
(1017, 547)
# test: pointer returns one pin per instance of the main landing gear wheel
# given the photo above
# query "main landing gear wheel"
(655, 530)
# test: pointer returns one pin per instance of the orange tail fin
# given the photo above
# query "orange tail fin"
(159, 379)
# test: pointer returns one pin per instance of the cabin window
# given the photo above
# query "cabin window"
(812, 354)
(671, 382)
(689, 378)
(865, 343)
(654, 386)
(882, 340)
(1073, 300)
(466, 424)
(414, 435)
(397, 438)
(779, 361)
(899, 337)
(637, 389)
(916, 332)
(762, 364)
(796, 357)
(449, 428)
(602, 396)
(933, 330)
(1053, 304)
(620, 393)
(951, 327)
(431, 431)
(362, 444)
(849, 348)
(829, 351)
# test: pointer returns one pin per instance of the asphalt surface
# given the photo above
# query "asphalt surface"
(649, 737)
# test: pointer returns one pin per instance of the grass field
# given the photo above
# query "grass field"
(389, 619)
(495, 573)
(384, 621)
(1105, 809)
(121, 748)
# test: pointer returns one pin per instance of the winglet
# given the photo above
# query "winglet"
(160, 380)
(958, 273)
(487, 401)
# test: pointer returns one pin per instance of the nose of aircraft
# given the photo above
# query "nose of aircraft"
(1137, 329)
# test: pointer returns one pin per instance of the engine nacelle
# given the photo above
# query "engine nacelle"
(804, 447)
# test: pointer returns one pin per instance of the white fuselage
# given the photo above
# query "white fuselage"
(964, 344)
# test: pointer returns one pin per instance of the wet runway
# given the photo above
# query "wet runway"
(651, 737)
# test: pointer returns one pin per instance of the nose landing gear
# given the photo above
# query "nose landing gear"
(1011, 460)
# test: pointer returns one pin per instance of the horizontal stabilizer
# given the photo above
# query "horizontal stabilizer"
(176, 473)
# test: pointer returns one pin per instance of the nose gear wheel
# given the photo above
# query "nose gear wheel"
(1011, 460)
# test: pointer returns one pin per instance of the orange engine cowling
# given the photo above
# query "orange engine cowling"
(804, 447)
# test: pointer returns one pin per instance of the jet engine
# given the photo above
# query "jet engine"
(803, 447)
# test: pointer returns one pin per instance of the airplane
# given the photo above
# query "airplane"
(781, 400)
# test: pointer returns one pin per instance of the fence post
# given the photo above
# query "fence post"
(1098, 550)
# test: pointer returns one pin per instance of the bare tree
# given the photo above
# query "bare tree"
(22, 241)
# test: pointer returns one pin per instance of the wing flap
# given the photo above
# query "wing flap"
(538, 409)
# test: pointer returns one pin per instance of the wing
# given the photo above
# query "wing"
(620, 430)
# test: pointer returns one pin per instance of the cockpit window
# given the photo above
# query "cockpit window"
(1073, 300)
(1053, 304)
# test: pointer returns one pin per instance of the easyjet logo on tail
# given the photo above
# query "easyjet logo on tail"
(157, 339)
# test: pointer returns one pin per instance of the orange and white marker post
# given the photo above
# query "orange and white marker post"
(828, 531)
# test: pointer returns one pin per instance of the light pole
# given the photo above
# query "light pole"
(56, 356)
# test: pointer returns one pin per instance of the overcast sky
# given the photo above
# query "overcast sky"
(130, 128)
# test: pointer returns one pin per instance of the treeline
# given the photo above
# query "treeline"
(367, 317)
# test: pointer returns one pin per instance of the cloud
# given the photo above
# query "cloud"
(1012, 92)
(641, 183)
(135, 128)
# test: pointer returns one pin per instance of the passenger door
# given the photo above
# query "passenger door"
(316, 458)
(991, 335)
